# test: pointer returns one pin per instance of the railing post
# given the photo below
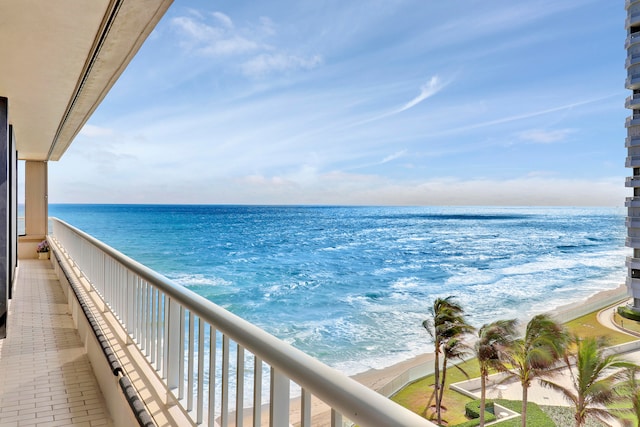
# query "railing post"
(240, 387)
(336, 418)
(224, 396)
(279, 408)
(174, 325)
(257, 392)
(305, 408)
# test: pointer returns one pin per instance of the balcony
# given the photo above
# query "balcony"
(633, 242)
(182, 337)
(633, 101)
(632, 142)
(632, 181)
(42, 337)
(633, 284)
(632, 222)
(632, 161)
(632, 20)
(632, 202)
(632, 121)
(628, 3)
(632, 39)
(632, 262)
(633, 81)
(632, 59)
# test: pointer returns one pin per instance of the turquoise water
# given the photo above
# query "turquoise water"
(351, 285)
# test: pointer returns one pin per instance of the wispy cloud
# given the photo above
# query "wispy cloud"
(541, 136)
(387, 159)
(213, 40)
(266, 63)
(427, 90)
(394, 156)
(93, 131)
(223, 19)
(524, 116)
(217, 35)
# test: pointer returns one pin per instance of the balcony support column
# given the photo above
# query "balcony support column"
(35, 203)
(36, 211)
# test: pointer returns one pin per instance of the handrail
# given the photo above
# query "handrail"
(344, 395)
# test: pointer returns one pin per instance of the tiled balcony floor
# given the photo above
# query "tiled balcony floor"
(45, 375)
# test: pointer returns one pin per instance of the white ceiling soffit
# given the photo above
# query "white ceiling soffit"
(58, 60)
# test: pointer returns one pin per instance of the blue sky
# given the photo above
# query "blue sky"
(401, 102)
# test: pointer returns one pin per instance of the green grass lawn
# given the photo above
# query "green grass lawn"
(418, 395)
(626, 323)
(588, 326)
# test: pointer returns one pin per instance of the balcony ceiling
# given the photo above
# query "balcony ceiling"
(58, 60)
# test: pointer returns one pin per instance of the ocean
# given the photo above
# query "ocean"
(352, 285)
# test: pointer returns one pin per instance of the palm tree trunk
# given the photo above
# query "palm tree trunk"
(580, 418)
(442, 383)
(483, 397)
(525, 390)
(436, 375)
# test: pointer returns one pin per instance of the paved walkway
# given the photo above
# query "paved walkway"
(45, 376)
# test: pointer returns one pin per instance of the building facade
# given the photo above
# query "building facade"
(632, 64)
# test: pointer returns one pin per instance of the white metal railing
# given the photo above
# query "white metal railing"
(191, 342)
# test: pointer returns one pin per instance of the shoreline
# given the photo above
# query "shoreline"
(376, 379)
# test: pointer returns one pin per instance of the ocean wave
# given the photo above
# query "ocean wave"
(191, 280)
(405, 283)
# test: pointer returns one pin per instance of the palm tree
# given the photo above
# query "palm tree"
(535, 354)
(593, 377)
(446, 324)
(493, 340)
(632, 386)
(454, 348)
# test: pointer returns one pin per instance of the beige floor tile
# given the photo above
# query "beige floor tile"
(43, 366)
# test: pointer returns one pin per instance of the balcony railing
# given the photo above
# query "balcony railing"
(632, 142)
(632, 262)
(632, 222)
(633, 242)
(191, 342)
(632, 60)
(632, 19)
(632, 39)
(632, 121)
(633, 81)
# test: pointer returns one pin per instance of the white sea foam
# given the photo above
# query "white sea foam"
(189, 280)
(405, 283)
